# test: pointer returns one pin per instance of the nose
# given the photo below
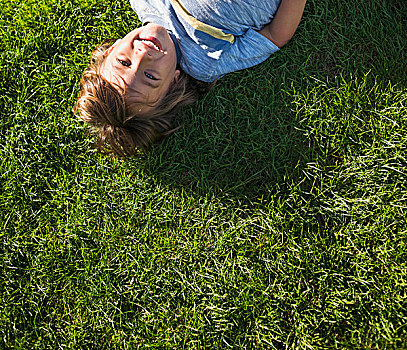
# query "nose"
(141, 57)
(143, 52)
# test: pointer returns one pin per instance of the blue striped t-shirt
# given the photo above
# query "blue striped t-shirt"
(215, 37)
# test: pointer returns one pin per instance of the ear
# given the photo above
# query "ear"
(176, 75)
(111, 48)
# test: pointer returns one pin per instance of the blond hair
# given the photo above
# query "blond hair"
(103, 107)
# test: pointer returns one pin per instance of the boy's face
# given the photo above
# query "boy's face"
(144, 64)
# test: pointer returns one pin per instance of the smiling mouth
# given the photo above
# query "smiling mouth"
(155, 45)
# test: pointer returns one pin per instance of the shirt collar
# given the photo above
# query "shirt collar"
(176, 44)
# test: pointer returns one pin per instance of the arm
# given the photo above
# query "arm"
(285, 22)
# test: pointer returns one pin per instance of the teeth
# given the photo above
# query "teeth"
(150, 43)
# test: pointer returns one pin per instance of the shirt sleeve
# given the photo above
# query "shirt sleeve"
(248, 50)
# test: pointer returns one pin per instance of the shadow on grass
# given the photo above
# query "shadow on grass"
(251, 136)
(243, 148)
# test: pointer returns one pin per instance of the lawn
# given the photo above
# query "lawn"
(275, 218)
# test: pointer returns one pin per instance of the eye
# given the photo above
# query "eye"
(123, 63)
(149, 76)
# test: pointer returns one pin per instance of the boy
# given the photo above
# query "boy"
(133, 87)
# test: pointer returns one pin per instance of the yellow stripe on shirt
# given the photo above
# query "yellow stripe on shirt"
(212, 31)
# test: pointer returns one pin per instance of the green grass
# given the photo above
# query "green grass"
(274, 218)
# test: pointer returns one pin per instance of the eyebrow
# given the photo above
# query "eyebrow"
(139, 96)
(150, 84)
